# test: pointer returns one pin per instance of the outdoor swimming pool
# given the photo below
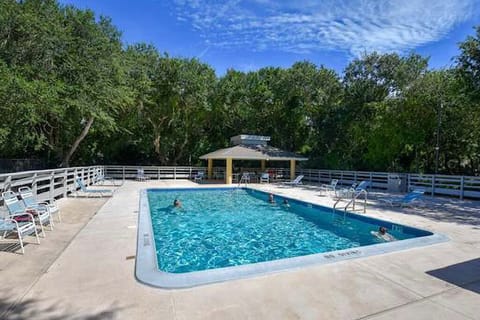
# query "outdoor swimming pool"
(226, 233)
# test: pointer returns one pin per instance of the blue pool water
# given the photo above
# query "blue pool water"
(229, 227)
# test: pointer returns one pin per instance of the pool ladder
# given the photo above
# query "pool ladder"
(244, 179)
(352, 202)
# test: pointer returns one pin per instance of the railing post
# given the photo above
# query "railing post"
(65, 176)
(462, 186)
(123, 174)
(34, 184)
(354, 176)
(174, 173)
(7, 184)
(51, 189)
(371, 180)
(433, 185)
(75, 176)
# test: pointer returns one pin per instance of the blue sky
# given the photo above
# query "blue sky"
(250, 34)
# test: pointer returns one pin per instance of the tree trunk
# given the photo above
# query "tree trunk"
(76, 143)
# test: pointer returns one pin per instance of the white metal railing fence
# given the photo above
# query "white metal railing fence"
(152, 172)
(448, 185)
(185, 172)
(50, 184)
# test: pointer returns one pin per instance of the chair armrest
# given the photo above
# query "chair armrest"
(14, 221)
(40, 207)
(47, 202)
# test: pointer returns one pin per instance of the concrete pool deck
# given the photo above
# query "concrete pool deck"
(84, 269)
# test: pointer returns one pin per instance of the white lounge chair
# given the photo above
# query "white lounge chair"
(92, 192)
(353, 191)
(30, 201)
(296, 181)
(20, 213)
(22, 229)
(406, 201)
(101, 178)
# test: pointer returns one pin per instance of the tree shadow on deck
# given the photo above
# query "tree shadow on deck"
(464, 274)
(55, 310)
(309, 187)
(442, 210)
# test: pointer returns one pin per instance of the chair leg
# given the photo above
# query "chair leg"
(20, 239)
(36, 236)
(41, 227)
(50, 220)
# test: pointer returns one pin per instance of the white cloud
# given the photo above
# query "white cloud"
(309, 25)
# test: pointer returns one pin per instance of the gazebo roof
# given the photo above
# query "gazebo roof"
(253, 152)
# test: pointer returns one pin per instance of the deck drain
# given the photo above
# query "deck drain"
(129, 257)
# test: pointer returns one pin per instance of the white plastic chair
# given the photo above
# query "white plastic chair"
(330, 187)
(30, 201)
(265, 177)
(20, 213)
(22, 229)
(199, 177)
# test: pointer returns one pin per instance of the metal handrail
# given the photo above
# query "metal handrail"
(352, 201)
(354, 198)
(244, 178)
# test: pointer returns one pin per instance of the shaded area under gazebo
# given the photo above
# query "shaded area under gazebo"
(250, 147)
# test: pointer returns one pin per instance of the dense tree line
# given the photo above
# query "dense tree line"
(72, 93)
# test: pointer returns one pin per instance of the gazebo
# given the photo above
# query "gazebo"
(250, 147)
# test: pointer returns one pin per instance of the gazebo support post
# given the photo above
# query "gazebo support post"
(228, 171)
(209, 168)
(292, 169)
(263, 165)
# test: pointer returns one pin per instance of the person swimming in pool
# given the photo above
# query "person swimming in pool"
(177, 203)
(271, 199)
(383, 234)
(285, 203)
